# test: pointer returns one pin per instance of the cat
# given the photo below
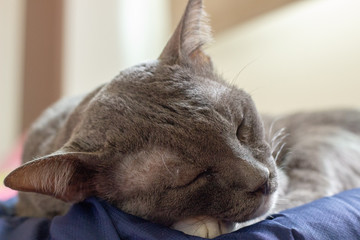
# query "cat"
(172, 142)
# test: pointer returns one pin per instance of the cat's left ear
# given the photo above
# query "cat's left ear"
(68, 176)
(185, 45)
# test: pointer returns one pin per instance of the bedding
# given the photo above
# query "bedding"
(335, 217)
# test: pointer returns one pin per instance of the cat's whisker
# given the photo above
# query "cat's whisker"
(250, 92)
(273, 139)
(271, 128)
(278, 134)
(277, 142)
(270, 131)
(278, 152)
(166, 167)
(275, 146)
(236, 78)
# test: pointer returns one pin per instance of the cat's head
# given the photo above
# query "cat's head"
(165, 140)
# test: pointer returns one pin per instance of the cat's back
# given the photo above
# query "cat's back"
(302, 122)
(347, 119)
(318, 145)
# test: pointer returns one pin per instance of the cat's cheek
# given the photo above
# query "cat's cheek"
(140, 172)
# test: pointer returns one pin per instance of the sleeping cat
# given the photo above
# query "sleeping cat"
(172, 142)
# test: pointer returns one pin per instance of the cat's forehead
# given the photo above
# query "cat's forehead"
(152, 84)
(218, 91)
(182, 79)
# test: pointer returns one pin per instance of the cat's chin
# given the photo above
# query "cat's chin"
(267, 204)
(203, 226)
(265, 208)
(210, 227)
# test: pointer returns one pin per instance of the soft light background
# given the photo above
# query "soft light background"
(11, 28)
(302, 56)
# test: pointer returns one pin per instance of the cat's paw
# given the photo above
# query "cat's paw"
(203, 226)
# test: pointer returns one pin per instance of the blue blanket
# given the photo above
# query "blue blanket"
(336, 217)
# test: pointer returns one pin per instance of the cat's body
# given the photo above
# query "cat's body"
(320, 154)
(170, 141)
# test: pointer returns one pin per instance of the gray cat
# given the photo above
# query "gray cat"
(172, 142)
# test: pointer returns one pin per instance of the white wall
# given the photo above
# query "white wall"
(303, 56)
(11, 46)
(104, 37)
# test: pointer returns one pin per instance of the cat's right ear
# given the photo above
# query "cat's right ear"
(192, 32)
(69, 176)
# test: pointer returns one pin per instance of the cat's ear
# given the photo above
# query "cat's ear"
(190, 35)
(68, 176)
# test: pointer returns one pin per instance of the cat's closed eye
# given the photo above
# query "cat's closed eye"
(241, 131)
(202, 176)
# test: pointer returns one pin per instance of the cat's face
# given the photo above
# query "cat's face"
(199, 147)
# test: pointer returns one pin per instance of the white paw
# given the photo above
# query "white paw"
(202, 226)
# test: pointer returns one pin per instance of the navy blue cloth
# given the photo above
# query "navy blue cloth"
(336, 217)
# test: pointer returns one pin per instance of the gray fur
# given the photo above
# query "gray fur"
(169, 140)
(320, 156)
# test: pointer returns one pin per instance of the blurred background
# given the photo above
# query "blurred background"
(289, 55)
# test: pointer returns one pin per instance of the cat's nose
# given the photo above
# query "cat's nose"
(261, 181)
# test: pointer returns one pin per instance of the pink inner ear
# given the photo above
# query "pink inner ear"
(200, 58)
(62, 176)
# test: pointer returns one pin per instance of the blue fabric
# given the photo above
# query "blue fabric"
(336, 217)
